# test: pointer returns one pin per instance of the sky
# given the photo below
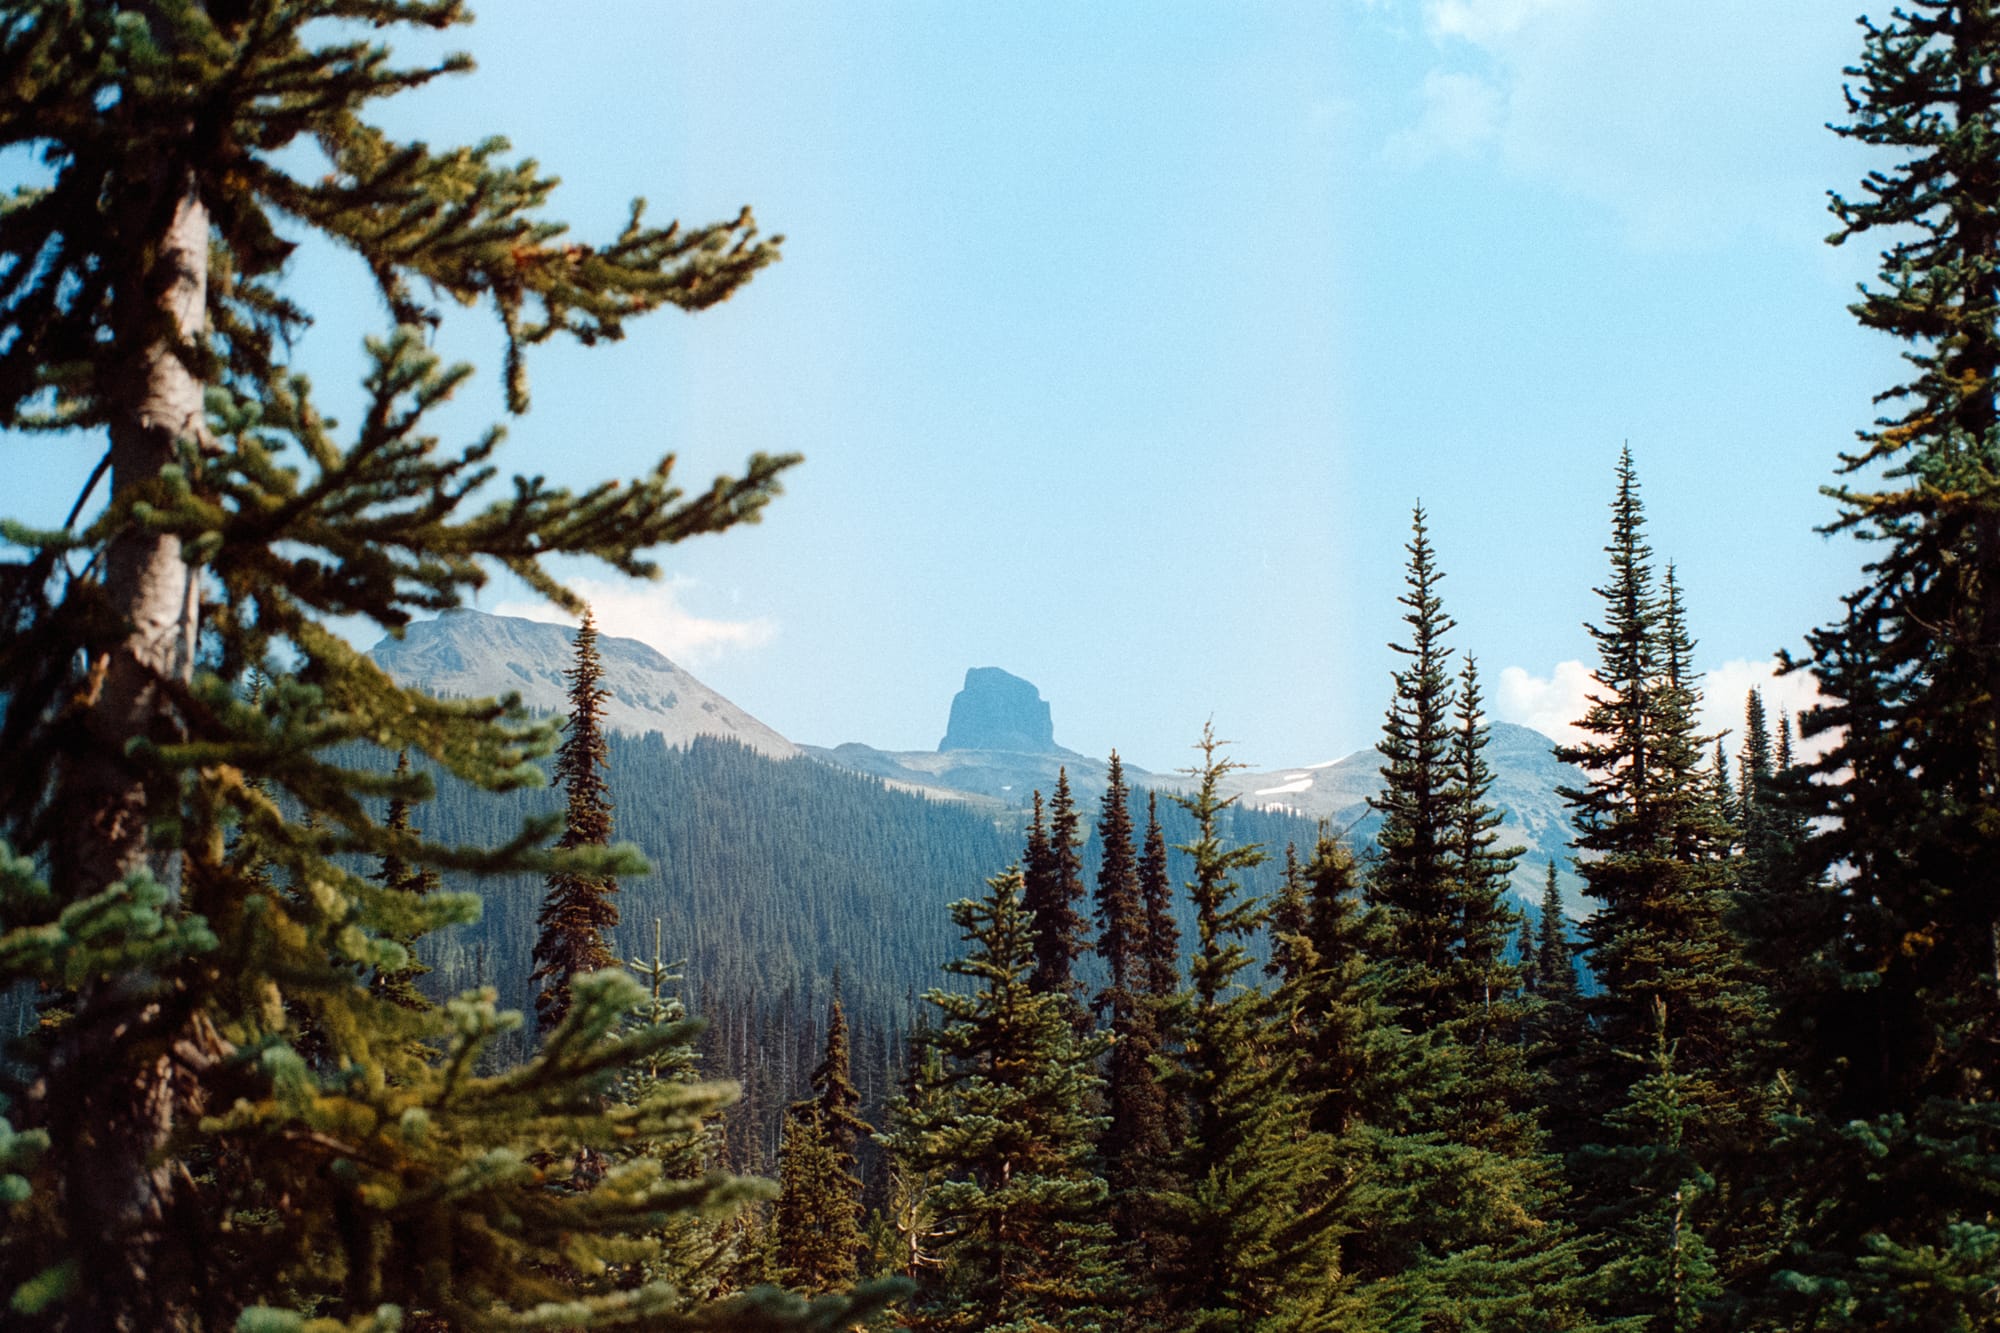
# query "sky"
(1121, 339)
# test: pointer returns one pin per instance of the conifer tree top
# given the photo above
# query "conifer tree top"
(264, 103)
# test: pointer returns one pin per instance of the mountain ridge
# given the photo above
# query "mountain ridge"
(476, 654)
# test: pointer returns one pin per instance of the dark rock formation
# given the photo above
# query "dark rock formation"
(998, 711)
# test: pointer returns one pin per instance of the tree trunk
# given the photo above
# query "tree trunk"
(125, 1068)
(149, 588)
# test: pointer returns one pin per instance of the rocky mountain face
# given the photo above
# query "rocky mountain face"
(999, 711)
(472, 655)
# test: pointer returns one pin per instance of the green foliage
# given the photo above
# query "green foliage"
(1661, 1271)
(1054, 889)
(1247, 1197)
(1412, 876)
(235, 1117)
(1656, 851)
(997, 1125)
(1882, 945)
(817, 1229)
(578, 911)
(819, 1206)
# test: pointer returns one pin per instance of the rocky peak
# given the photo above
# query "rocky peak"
(999, 711)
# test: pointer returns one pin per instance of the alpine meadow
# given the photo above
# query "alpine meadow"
(397, 934)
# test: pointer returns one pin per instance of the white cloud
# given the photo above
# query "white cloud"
(1461, 115)
(652, 613)
(1488, 20)
(1552, 704)
(1642, 109)
(1727, 687)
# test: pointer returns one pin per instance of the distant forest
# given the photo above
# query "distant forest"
(769, 877)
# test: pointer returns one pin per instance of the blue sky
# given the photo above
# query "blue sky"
(1120, 339)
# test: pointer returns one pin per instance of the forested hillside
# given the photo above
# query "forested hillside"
(769, 876)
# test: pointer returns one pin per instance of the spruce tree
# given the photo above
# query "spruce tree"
(1886, 954)
(1755, 769)
(1656, 843)
(1344, 1056)
(1661, 1267)
(1163, 936)
(1488, 1006)
(1258, 1247)
(999, 1124)
(700, 1246)
(1555, 958)
(817, 1228)
(1412, 876)
(149, 317)
(835, 1097)
(1669, 969)
(1134, 1142)
(1054, 894)
(577, 909)
(819, 1214)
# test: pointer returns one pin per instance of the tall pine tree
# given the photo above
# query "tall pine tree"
(577, 907)
(1258, 1246)
(1671, 975)
(1054, 894)
(1412, 878)
(188, 150)
(999, 1125)
(1886, 957)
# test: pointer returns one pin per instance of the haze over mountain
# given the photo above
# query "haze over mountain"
(999, 745)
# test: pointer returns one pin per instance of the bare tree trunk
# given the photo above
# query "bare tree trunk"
(147, 584)
(125, 1069)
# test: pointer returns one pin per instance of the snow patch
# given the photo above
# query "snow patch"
(1295, 785)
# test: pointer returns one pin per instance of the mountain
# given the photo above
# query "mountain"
(999, 746)
(996, 706)
(472, 655)
(1526, 775)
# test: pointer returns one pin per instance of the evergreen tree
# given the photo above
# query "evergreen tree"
(1259, 1250)
(1054, 894)
(1488, 1006)
(1121, 919)
(1288, 920)
(1755, 770)
(1662, 1271)
(1412, 877)
(819, 1213)
(699, 1247)
(1528, 957)
(1156, 891)
(1345, 1055)
(835, 1097)
(1555, 957)
(817, 1229)
(144, 285)
(1657, 845)
(1658, 945)
(1884, 956)
(998, 1123)
(1134, 1142)
(577, 909)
